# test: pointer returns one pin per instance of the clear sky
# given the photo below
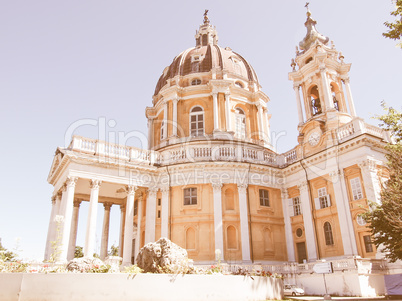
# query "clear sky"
(64, 61)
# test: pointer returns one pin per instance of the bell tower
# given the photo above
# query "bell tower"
(319, 73)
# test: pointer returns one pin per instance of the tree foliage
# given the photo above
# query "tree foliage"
(6, 255)
(395, 28)
(114, 250)
(78, 253)
(386, 218)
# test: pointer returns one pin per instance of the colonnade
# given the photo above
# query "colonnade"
(63, 224)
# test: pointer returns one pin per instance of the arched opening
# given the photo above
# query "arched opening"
(315, 101)
(329, 239)
(309, 60)
(239, 84)
(190, 239)
(335, 96)
(229, 199)
(231, 238)
(197, 121)
(240, 123)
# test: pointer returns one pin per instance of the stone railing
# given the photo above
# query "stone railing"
(357, 127)
(359, 265)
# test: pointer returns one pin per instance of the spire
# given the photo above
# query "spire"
(312, 33)
(206, 34)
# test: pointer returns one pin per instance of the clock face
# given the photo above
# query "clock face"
(314, 138)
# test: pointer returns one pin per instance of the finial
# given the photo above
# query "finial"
(206, 20)
(293, 65)
(308, 10)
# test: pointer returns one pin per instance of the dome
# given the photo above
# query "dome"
(205, 57)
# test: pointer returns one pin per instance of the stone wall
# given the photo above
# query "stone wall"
(88, 287)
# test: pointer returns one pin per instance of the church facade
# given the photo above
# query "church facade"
(211, 179)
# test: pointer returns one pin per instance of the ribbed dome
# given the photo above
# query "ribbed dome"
(207, 56)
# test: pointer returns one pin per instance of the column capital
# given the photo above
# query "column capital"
(95, 184)
(303, 186)
(367, 165)
(242, 187)
(165, 189)
(53, 199)
(175, 99)
(123, 207)
(284, 193)
(345, 80)
(77, 203)
(107, 206)
(71, 181)
(131, 189)
(152, 191)
(217, 186)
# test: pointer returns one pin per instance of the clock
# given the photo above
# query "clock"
(314, 138)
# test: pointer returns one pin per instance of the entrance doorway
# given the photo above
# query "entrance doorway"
(301, 252)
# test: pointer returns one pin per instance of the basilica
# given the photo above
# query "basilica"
(211, 180)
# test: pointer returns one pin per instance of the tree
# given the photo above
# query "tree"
(385, 219)
(395, 28)
(78, 253)
(6, 255)
(114, 250)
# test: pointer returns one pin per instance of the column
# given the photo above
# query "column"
(351, 104)
(216, 115)
(344, 215)
(105, 230)
(218, 226)
(89, 247)
(298, 103)
(67, 211)
(139, 227)
(175, 101)
(228, 113)
(150, 218)
(268, 127)
(150, 132)
(244, 230)
(308, 221)
(371, 184)
(74, 229)
(165, 212)
(288, 227)
(260, 122)
(326, 89)
(122, 221)
(51, 229)
(165, 119)
(129, 226)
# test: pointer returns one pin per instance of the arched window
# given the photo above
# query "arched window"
(239, 84)
(197, 121)
(231, 237)
(240, 123)
(315, 101)
(190, 239)
(229, 199)
(335, 100)
(329, 239)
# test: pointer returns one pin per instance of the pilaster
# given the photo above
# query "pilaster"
(218, 226)
(165, 212)
(288, 227)
(244, 225)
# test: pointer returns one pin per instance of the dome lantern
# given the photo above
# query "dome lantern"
(206, 34)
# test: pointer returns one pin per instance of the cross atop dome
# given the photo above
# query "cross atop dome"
(206, 34)
(312, 33)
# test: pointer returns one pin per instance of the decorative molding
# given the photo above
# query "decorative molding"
(284, 193)
(368, 165)
(217, 186)
(152, 191)
(53, 200)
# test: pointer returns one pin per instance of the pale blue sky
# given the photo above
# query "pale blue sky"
(63, 61)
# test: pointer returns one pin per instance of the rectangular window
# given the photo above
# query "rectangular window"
(368, 244)
(159, 214)
(159, 202)
(356, 188)
(135, 207)
(190, 196)
(323, 197)
(296, 206)
(264, 197)
(197, 124)
(163, 130)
